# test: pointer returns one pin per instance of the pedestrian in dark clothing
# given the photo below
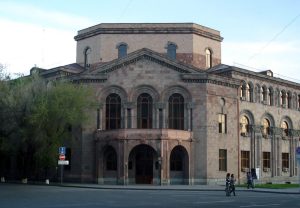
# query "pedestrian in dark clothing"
(232, 184)
(249, 180)
(227, 184)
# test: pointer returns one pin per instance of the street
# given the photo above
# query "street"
(34, 196)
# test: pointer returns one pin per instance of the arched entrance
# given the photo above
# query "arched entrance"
(141, 164)
(109, 165)
(179, 166)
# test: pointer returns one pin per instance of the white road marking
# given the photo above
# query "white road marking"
(213, 202)
(261, 205)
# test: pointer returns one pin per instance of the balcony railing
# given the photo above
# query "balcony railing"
(151, 134)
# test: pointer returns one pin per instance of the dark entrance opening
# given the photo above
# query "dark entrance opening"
(143, 156)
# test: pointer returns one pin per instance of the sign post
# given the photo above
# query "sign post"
(62, 161)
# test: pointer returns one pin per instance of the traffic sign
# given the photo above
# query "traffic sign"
(62, 150)
(298, 150)
(298, 154)
(62, 157)
(63, 162)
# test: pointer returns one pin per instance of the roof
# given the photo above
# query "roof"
(148, 28)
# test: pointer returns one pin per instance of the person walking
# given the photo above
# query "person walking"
(232, 184)
(227, 184)
(249, 180)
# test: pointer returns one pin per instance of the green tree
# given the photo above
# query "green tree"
(60, 107)
(36, 117)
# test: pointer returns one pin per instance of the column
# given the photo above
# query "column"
(189, 106)
(159, 109)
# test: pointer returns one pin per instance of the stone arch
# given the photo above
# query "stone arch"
(243, 89)
(145, 89)
(250, 97)
(142, 164)
(270, 95)
(179, 165)
(101, 96)
(288, 120)
(257, 93)
(249, 115)
(108, 164)
(270, 118)
(176, 89)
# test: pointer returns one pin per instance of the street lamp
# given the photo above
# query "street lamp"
(159, 159)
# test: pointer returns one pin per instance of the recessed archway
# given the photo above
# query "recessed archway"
(141, 164)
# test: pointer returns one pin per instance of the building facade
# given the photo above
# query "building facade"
(169, 112)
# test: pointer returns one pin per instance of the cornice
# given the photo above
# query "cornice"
(149, 30)
(211, 78)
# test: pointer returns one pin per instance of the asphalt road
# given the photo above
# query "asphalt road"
(33, 196)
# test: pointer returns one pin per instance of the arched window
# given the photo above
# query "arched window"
(298, 102)
(87, 53)
(208, 58)
(244, 125)
(270, 96)
(113, 111)
(264, 94)
(285, 127)
(266, 126)
(283, 98)
(248, 93)
(144, 111)
(171, 50)
(110, 157)
(243, 91)
(176, 111)
(289, 100)
(122, 50)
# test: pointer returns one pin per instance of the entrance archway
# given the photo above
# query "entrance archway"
(179, 165)
(141, 164)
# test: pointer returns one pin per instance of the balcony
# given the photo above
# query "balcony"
(143, 134)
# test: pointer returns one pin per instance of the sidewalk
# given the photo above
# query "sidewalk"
(179, 188)
(164, 187)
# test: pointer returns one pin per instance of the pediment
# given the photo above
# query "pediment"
(144, 54)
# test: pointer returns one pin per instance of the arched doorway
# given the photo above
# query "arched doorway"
(109, 165)
(141, 164)
(179, 166)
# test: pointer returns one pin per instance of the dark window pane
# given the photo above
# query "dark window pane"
(176, 111)
(113, 111)
(144, 111)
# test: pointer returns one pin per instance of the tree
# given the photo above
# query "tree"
(62, 106)
(36, 117)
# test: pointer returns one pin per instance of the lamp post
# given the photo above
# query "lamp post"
(159, 159)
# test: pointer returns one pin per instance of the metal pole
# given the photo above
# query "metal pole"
(298, 170)
(61, 174)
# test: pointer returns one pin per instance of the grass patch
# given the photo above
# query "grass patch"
(273, 186)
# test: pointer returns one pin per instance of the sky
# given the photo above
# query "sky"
(258, 34)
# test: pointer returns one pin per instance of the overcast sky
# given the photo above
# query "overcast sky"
(258, 34)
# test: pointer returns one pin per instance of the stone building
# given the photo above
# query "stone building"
(169, 112)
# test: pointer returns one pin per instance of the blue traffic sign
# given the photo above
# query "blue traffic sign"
(62, 150)
(298, 150)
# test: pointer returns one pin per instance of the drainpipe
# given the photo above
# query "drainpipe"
(238, 132)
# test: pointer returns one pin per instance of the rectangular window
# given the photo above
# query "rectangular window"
(222, 160)
(266, 160)
(245, 159)
(285, 160)
(222, 123)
